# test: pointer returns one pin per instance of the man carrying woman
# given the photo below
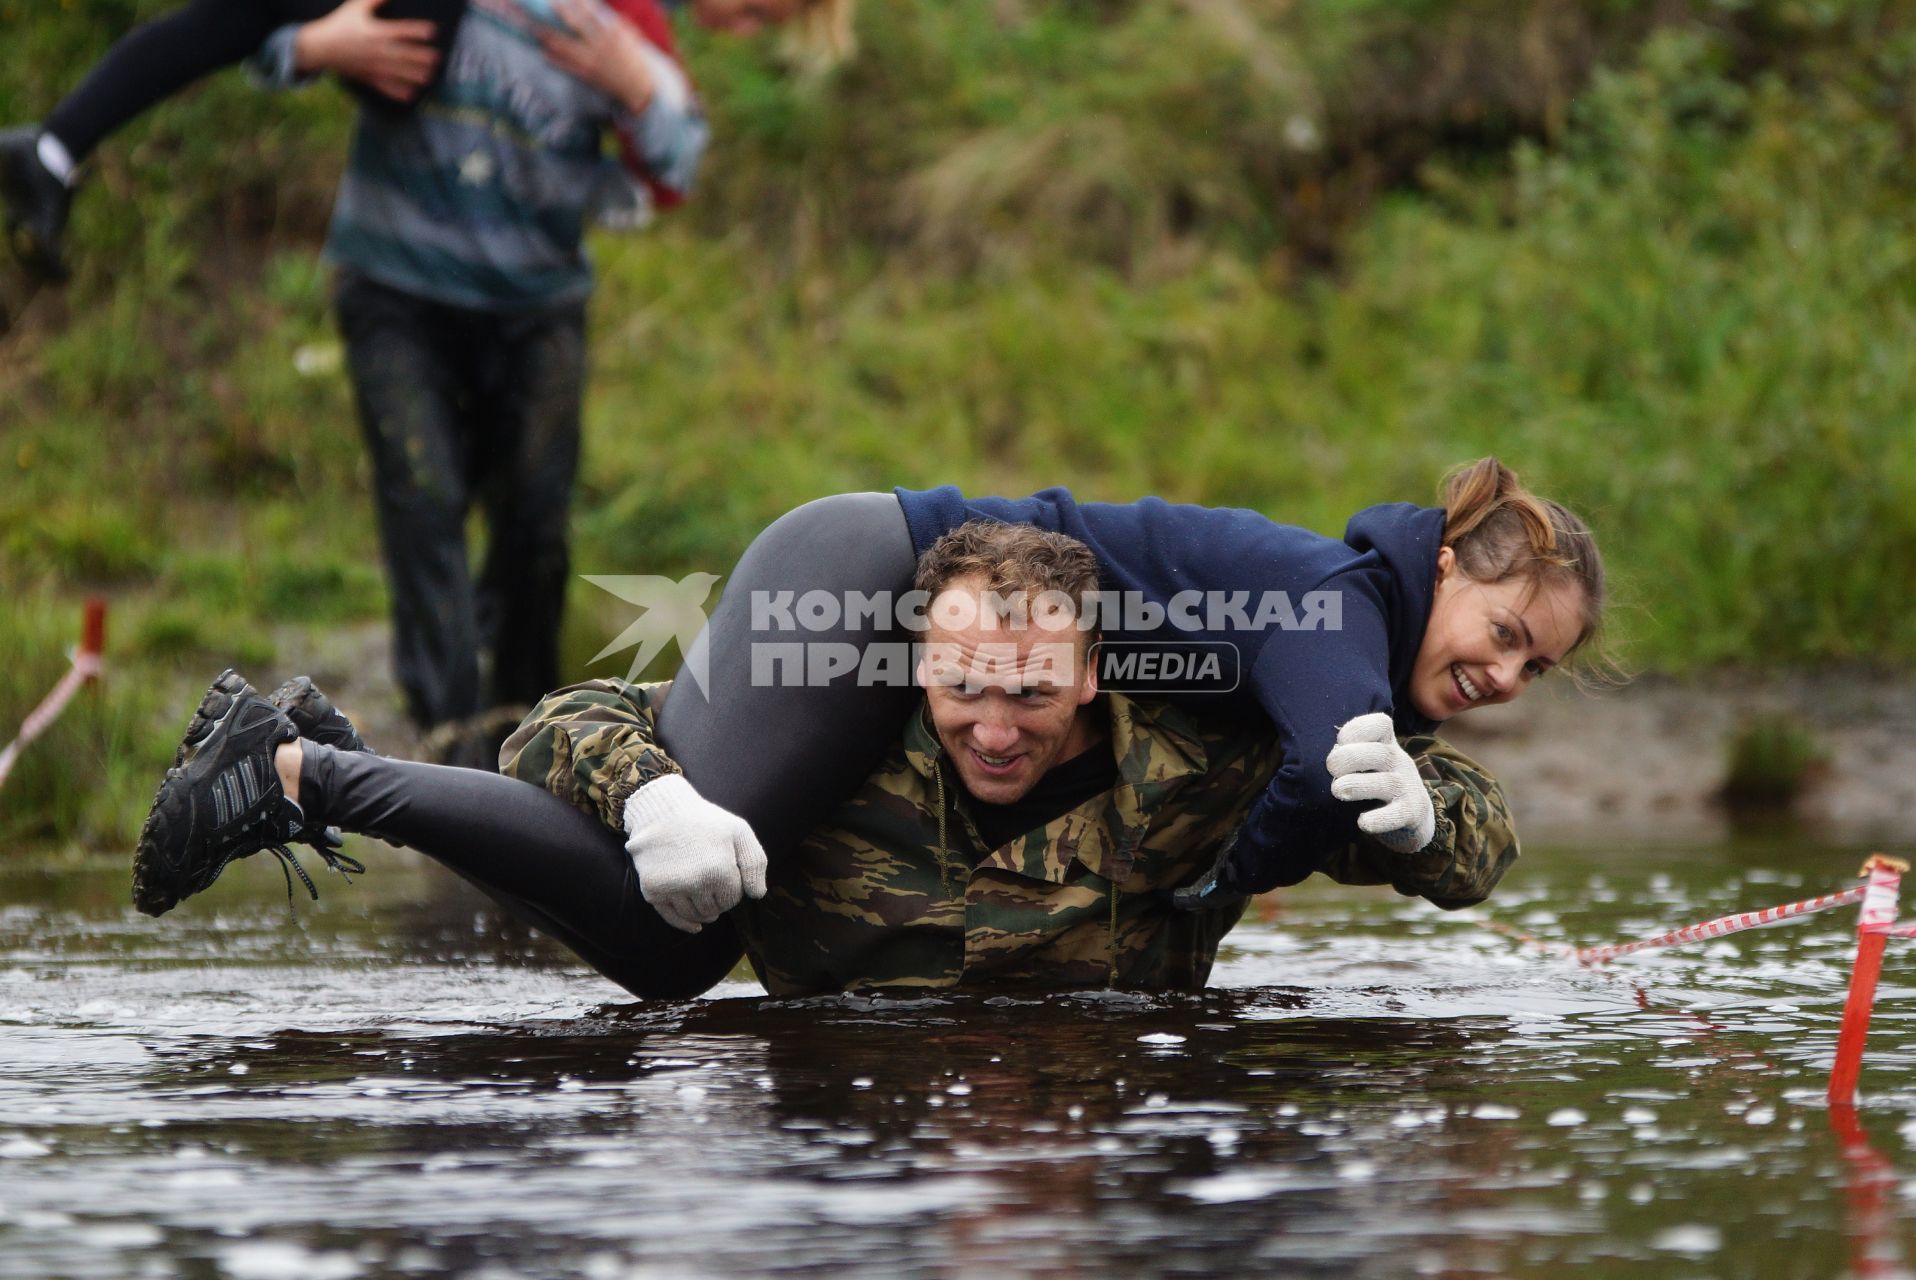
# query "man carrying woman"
(1018, 826)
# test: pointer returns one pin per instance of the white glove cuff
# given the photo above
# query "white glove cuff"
(1424, 832)
(665, 800)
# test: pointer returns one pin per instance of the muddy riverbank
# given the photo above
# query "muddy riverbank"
(1648, 761)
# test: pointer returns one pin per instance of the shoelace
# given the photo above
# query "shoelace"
(348, 867)
(325, 844)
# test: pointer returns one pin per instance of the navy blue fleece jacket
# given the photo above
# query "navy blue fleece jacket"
(1309, 680)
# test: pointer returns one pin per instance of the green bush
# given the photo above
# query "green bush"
(1300, 258)
(1768, 761)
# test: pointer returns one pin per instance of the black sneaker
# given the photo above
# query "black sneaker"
(318, 720)
(315, 716)
(37, 202)
(223, 801)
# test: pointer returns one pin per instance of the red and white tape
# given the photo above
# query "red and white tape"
(86, 668)
(1875, 925)
(1726, 925)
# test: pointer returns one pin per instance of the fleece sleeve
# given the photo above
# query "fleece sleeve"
(272, 65)
(1310, 680)
(662, 145)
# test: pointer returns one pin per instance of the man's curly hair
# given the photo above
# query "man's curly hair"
(1013, 559)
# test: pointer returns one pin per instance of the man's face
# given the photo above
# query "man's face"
(1009, 698)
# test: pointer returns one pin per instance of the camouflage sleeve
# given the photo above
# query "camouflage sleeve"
(592, 745)
(1476, 838)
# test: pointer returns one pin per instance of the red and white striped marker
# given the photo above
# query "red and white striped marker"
(1873, 927)
(1723, 926)
(85, 668)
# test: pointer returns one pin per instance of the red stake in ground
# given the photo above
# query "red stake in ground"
(1878, 916)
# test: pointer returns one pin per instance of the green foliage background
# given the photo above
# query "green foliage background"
(1299, 258)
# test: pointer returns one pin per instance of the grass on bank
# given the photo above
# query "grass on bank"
(1679, 299)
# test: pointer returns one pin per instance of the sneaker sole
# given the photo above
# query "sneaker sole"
(32, 253)
(154, 889)
(153, 884)
(217, 701)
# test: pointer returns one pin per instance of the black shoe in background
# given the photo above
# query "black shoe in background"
(36, 205)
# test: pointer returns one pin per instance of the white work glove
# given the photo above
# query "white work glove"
(1367, 764)
(695, 860)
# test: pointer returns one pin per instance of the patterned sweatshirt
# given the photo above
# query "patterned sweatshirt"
(478, 196)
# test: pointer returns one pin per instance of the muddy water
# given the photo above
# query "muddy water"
(389, 1084)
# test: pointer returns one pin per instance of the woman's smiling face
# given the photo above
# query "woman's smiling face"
(1486, 641)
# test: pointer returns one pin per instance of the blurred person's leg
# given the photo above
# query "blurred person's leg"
(39, 164)
(407, 358)
(528, 403)
(159, 58)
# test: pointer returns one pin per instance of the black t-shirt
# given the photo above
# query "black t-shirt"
(1063, 788)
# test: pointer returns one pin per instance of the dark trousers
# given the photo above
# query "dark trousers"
(161, 57)
(459, 406)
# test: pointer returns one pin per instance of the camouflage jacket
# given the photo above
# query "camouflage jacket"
(898, 889)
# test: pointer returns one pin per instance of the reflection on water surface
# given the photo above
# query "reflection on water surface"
(388, 1085)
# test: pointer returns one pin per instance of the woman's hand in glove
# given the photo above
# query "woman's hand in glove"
(1367, 764)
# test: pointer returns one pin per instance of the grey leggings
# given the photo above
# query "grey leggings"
(784, 756)
(780, 756)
